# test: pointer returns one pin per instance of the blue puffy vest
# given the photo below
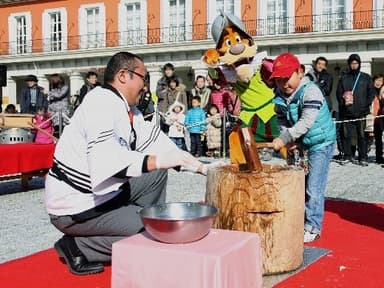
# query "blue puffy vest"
(323, 131)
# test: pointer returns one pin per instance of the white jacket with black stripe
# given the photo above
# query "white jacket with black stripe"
(94, 147)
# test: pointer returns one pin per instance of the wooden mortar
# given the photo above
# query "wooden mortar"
(270, 203)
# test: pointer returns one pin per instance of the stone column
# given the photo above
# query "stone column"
(366, 66)
(308, 67)
(43, 81)
(200, 70)
(155, 73)
(76, 81)
(10, 92)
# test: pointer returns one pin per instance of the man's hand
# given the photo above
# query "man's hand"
(277, 144)
(176, 158)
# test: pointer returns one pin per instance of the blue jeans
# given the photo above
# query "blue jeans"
(179, 142)
(315, 183)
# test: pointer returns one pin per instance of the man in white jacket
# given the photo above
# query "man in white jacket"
(108, 163)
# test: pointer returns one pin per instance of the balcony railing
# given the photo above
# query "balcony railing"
(260, 27)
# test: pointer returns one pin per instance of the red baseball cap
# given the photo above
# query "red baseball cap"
(284, 66)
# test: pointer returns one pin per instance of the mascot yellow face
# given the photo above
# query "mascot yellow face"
(233, 47)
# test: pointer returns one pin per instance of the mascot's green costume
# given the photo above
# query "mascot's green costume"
(235, 60)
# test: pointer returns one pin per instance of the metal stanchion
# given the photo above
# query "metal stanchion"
(157, 115)
(60, 122)
(224, 133)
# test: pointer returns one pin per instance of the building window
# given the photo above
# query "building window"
(335, 15)
(20, 41)
(176, 19)
(177, 25)
(92, 26)
(55, 30)
(132, 22)
(378, 15)
(21, 34)
(228, 6)
(56, 36)
(278, 19)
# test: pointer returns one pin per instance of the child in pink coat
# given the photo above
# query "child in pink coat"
(42, 121)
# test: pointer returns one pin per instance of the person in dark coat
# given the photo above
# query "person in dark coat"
(162, 84)
(355, 93)
(32, 96)
(90, 83)
(322, 78)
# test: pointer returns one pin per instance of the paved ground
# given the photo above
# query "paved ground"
(25, 228)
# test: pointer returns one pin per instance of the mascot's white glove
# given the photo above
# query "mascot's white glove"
(176, 158)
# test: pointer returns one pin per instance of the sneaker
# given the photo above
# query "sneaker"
(338, 157)
(363, 163)
(310, 236)
(345, 160)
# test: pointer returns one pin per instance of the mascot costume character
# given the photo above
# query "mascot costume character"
(235, 61)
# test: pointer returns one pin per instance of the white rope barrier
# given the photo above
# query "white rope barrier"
(369, 117)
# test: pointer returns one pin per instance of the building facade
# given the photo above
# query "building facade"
(73, 37)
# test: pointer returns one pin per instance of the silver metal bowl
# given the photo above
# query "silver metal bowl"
(15, 135)
(178, 222)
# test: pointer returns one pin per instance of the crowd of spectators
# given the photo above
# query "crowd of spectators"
(195, 120)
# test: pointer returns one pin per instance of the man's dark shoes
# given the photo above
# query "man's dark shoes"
(67, 248)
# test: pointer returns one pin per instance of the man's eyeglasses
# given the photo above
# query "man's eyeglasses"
(145, 77)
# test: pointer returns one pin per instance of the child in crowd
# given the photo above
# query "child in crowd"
(304, 119)
(214, 124)
(195, 119)
(174, 93)
(202, 91)
(42, 121)
(175, 119)
(10, 109)
(225, 98)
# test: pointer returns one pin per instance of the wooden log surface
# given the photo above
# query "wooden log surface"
(270, 203)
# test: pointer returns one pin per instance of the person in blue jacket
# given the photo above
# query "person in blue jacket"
(304, 119)
(195, 123)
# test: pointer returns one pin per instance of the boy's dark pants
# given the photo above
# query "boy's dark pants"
(196, 144)
(378, 130)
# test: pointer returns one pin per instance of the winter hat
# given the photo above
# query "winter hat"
(354, 57)
(176, 103)
(284, 66)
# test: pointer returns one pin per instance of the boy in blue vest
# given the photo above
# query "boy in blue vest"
(195, 122)
(304, 120)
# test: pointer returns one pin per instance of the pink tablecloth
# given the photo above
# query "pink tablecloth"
(223, 259)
